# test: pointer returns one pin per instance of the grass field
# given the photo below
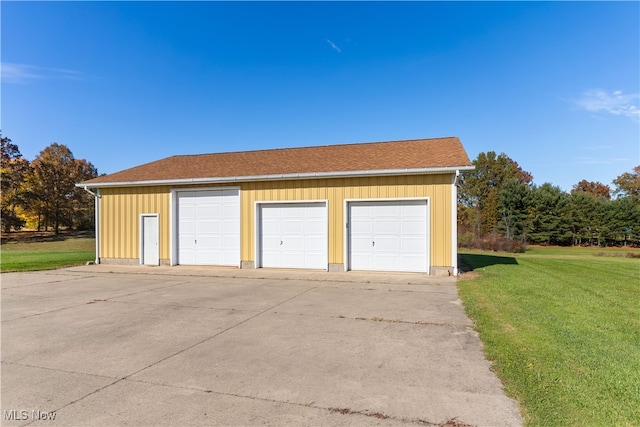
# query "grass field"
(45, 253)
(562, 327)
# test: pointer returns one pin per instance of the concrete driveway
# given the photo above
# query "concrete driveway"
(105, 345)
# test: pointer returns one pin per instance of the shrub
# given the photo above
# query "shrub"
(492, 242)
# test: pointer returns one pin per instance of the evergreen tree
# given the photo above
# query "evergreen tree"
(479, 189)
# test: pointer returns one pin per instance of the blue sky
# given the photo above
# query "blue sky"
(553, 85)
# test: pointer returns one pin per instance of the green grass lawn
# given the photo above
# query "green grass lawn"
(562, 327)
(45, 255)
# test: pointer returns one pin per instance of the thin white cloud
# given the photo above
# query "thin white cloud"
(22, 73)
(599, 160)
(334, 46)
(615, 103)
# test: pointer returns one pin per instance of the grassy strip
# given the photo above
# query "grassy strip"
(30, 256)
(563, 331)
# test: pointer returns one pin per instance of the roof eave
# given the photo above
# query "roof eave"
(278, 177)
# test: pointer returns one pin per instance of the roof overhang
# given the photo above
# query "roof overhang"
(278, 177)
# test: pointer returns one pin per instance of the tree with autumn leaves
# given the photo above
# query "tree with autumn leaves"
(43, 192)
(479, 191)
(499, 202)
(14, 170)
(628, 184)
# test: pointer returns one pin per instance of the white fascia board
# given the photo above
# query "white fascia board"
(280, 177)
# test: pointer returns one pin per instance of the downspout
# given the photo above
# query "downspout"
(96, 197)
(454, 223)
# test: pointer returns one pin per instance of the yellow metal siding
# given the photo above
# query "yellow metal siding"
(120, 210)
(335, 191)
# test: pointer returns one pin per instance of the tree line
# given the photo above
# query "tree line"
(499, 207)
(41, 193)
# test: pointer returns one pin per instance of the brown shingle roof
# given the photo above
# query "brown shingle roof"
(347, 158)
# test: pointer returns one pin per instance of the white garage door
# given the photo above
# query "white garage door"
(389, 236)
(209, 227)
(293, 235)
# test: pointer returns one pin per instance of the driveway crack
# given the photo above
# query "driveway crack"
(410, 322)
(66, 279)
(93, 301)
(219, 333)
(452, 422)
(126, 377)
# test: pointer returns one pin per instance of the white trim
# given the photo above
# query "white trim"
(347, 218)
(142, 217)
(257, 259)
(173, 218)
(96, 217)
(173, 228)
(97, 227)
(276, 177)
(454, 223)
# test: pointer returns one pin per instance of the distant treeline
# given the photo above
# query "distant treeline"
(500, 208)
(41, 194)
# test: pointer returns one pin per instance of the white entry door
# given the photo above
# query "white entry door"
(293, 235)
(150, 248)
(209, 227)
(389, 235)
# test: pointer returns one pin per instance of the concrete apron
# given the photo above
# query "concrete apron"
(116, 345)
(273, 273)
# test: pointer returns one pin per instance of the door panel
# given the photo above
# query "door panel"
(209, 227)
(293, 235)
(388, 236)
(150, 246)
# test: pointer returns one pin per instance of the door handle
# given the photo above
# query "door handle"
(373, 243)
(281, 242)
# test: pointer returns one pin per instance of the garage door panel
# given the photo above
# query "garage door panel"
(292, 228)
(415, 263)
(293, 243)
(413, 245)
(412, 226)
(187, 251)
(386, 226)
(272, 230)
(291, 212)
(270, 258)
(314, 260)
(229, 240)
(209, 227)
(361, 244)
(316, 245)
(399, 230)
(361, 227)
(361, 210)
(294, 259)
(185, 209)
(318, 214)
(293, 235)
(387, 244)
(229, 211)
(386, 211)
(385, 263)
(209, 243)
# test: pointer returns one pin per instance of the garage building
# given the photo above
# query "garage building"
(382, 206)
